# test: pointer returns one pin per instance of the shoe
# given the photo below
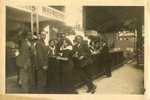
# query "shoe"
(91, 89)
(108, 76)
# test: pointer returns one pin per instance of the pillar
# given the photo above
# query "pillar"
(74, 16)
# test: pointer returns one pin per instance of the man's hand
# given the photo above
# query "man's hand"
(75, 55)
(58, 57)
(62, 58)
(45, 67)
(81, 57)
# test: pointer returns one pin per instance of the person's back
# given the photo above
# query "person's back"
(24, 54)
(24, 64)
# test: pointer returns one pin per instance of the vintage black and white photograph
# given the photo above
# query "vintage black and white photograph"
(74, 49)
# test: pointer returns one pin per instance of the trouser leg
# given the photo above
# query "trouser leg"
(32, 81)
(87, 77)
(24, 80)
(18, 76)
(108, 71)
(41, 80)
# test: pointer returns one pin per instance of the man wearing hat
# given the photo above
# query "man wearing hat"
(24, 62)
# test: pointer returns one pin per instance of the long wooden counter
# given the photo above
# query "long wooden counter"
(97, 69)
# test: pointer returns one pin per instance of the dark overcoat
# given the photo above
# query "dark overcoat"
(24, 63)
(41, 61)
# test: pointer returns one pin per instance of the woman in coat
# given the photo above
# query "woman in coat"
(53, 77)
(66, 65)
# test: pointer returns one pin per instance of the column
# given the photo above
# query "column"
(74, 16)
(32, 22)
(37, 23)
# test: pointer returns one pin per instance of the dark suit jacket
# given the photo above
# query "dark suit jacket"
(105, 53)
(41, 54)
(83, 50)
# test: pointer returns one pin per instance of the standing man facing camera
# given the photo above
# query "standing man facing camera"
(41, 63)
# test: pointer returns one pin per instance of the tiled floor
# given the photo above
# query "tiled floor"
(128, 79)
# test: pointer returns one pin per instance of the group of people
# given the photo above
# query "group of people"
(49, 69)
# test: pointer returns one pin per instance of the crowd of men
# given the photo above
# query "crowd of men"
(48, 69)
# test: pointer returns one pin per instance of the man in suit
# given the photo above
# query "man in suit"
(106, 58)
(24, 63)
(41, 63)
(82, 54)
(60, 39)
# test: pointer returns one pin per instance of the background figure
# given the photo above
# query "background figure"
(41, 63)
(66, 65)
(82, 54)
(105, 55)
(24, 63)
